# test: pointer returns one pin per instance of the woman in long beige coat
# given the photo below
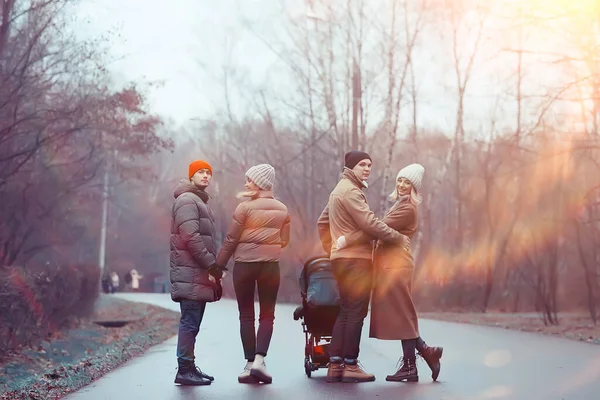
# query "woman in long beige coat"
(393, 314)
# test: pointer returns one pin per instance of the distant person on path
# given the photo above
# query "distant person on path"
(347, 212)
(106, 285)
(114, 280)
(127, 279)
(135, 280)
(259, 230)
(393, 314)
(195, 277)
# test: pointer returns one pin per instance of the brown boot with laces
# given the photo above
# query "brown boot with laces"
(353, 373)
(432, 356)
(407, 372)
(335, 372)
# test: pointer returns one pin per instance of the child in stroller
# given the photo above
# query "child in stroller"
(319, 310)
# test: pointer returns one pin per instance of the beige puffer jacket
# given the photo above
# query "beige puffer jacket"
(259, 230)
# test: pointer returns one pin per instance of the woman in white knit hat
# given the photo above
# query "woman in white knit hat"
(393, 314)
(259, 230)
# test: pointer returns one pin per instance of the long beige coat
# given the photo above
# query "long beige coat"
(393, 314)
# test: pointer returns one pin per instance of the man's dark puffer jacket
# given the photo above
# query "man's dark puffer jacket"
(193, 247)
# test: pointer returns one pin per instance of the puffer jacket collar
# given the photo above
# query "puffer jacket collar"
(264, 194)
(185, 186)
(268, 194)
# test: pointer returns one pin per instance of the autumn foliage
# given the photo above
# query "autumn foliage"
(63, 123)
(38, 301)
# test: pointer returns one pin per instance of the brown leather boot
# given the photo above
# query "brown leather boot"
(407, 372)
(432, 356)
(354, 373)
(334, 372)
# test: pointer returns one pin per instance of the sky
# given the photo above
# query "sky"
(167, 45)
(182, 46)
(186, 45)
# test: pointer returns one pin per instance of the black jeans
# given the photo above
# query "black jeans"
(191, 316)
(247, 276)
(354, 278)
(409, 346)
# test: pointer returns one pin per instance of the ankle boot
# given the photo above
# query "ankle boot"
(334, 372)
(407, 372)
(189, 375)
(432, 356)
(354, 373)
(204, 375)
(259, 369)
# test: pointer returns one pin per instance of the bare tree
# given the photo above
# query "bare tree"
(463, 67)
(398, 75)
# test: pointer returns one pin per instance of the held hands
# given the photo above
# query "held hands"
(216, 272)
(341, 242)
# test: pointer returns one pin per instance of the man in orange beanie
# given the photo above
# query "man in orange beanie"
(195, 276)
(198, 166)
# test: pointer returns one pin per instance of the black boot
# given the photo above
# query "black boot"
(205, 375)
(191, 375)
(432, 356)
(407, 372)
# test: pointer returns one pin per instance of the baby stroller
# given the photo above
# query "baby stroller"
(319, 310)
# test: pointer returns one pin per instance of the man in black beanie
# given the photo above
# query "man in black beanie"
(354, 157)
(347, 212)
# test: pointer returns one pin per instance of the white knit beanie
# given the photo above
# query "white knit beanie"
(263, 175)
(414, 173)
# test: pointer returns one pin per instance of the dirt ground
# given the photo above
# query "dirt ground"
(73, 358)
(574, 326)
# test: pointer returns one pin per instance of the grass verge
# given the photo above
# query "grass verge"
(73, 358)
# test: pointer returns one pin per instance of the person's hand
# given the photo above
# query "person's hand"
(212, 279)
(341, 242)
(216, 271)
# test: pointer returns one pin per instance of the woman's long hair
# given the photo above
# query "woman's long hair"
(413, 197)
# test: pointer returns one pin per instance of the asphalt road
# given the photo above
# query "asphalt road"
(478, 363)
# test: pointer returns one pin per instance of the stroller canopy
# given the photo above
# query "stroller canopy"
(317, 283)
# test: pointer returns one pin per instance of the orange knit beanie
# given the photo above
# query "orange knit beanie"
(197, 165)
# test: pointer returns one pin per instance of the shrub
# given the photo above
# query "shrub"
(38, 300)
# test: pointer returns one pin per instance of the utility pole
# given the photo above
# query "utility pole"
(104, 223)
(102, 252)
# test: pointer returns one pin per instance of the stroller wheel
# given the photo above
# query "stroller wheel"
(307, 367)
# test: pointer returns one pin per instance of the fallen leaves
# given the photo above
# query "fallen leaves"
(574, 326)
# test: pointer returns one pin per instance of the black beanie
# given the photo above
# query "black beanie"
(354, 157)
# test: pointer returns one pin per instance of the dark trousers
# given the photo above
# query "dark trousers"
(410, 345)
(354, 278)
(191, 316)
(247, 276)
